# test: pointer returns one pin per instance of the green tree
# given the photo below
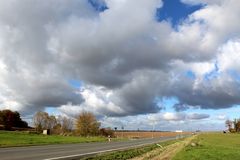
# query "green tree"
(87, 124)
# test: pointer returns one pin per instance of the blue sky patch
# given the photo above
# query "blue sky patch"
(75, 83)
(175, 11)
(168, 103)
(98, 5)
(190, 74)
(234, 74)
(52, 111)
(213, 74)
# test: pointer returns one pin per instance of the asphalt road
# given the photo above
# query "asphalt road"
(71, 151)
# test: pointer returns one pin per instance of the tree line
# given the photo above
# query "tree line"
(85, 124)
(10, 120)
(233, 125)
(56, 125)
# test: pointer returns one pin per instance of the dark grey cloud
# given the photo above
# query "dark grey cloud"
(180, 107)
(217, 93)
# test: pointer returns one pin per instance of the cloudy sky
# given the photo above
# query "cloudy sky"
(171, 64)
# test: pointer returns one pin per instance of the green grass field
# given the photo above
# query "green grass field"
(212, 146)
(8, 139)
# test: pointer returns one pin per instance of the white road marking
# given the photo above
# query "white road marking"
(85, 154)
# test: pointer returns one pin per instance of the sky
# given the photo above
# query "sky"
(142, 64)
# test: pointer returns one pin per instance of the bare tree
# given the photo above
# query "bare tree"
(66, 124)
(51, 122)
(87, 124)
(229, 124)
(40, 121)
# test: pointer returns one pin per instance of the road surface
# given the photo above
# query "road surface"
(71, 151)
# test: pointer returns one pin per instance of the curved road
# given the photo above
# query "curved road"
(71, 151)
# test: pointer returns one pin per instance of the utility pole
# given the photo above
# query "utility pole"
(153, 129)
(122, 131)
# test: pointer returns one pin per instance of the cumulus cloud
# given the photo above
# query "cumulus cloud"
(168, 121)
(181, 116)
(174, 116)
(222, 117)
(126, 60)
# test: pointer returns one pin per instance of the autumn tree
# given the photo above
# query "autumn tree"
(233, 126)
(11, 119)
(106, 132)
(236, 124)
(87, 124)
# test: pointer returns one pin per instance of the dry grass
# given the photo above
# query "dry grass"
(147, 134)
(165, 153)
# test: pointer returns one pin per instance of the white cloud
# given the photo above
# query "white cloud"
(229, 56)
(222, 117)
(174, 116)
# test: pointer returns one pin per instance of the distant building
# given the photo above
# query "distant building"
(178, 131)
(46, 132)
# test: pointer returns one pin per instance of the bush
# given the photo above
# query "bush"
(107, 132)
(231, 130)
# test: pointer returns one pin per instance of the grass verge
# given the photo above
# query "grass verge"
(212, 146)
(130, 153)
(167, 152)
(12, 139)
